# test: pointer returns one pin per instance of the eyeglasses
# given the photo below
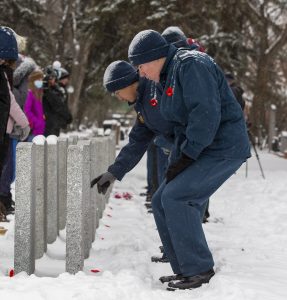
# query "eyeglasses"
(115, 94)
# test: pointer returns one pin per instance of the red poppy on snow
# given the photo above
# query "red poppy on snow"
(127, 196)
(95, 271)
(118, 196)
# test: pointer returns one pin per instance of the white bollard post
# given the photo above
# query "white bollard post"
(78, 158)
(40, 164)
(88, 213)
(24, 255)
(52, 189)
(62, 182)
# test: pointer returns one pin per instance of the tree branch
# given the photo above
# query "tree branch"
(277, 44)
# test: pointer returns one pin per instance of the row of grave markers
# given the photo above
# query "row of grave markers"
(52, 193)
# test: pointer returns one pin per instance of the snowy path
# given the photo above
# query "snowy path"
(246, 233)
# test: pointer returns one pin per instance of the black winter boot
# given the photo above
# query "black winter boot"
(148, 197)
(3, 213)
(162, 259)
(191, 282)
(169, 278)
(8, 203)
(148, 205)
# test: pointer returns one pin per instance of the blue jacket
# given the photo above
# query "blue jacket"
(197, 98)
(149, 124)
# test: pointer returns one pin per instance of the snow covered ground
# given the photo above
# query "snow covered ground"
(246, 233)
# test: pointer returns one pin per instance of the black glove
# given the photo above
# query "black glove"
(103, 182)
(174, 169)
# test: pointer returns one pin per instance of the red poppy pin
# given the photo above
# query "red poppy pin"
(153, 102)
(169, 91)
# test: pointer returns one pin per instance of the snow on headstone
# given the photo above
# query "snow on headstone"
(39, 140)
(108, 132)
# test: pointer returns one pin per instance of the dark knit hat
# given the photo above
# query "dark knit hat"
(63, 73)
(146, 46)
(229, 76)
(119, 75)
(174, 35)
(8, 44)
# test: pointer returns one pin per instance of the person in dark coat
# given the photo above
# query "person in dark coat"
(63, 81)
(122, 79)
(24, 67)
(236, 89)
(175, 36)
(8, 56)
(211, 143)
(56, 111)
(4, 113)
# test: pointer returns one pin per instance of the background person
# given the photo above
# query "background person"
(56, 111)
(34, 104)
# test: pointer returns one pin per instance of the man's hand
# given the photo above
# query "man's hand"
(177, 167)
(103, 182)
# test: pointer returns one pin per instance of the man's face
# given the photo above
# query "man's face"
(151, 70)
(127, 94)
(52, 81)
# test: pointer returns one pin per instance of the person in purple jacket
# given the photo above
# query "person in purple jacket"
(33, 106)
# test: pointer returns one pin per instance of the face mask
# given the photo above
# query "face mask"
(38, 84)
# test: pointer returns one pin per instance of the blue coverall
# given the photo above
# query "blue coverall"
(210, 129)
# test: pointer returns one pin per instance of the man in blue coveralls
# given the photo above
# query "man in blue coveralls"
(122, 79)
(211, 143)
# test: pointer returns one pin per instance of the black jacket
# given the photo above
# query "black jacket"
(4, 104)
(238, 92)
(56, 111)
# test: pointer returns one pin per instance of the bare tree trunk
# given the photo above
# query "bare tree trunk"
(79, 69)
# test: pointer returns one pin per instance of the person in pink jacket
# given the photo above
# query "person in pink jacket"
(33, 105)
(16, 116)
